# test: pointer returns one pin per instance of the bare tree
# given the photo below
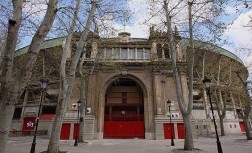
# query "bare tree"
(12, 86)
(67, 81)
(247, 109)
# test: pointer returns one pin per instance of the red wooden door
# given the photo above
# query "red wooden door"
(29, 123)
(76, 129)
(124, 129)
(181, 131)
(65, 131)
(242, 126)
(168, 130)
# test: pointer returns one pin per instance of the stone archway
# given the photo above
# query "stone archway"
(124, 110)
(147, 107)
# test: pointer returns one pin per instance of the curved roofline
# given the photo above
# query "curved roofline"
(200, 44)
(46, 44)
(214, 48)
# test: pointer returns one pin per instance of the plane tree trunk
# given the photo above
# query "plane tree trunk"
(13, 85)
(67, 84)
(184, 106)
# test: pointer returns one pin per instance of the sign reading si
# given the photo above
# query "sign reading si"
(29, 123)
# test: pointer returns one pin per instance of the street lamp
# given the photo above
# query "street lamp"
(169, 106)
(43, 86)
(77, 129)
(207, 82)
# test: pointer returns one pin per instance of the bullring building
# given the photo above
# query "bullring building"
(128, 83)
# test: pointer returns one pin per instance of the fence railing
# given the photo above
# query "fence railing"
(124, 117)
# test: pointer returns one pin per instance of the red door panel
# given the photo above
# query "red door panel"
(242, 126)
(181, 131)
(168, 130)
(76, 129)
(65, 131)
(139, 129)
(124, 129)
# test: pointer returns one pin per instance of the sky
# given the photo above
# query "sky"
(238, 32)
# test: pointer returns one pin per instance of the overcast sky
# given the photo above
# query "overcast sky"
(239, 32)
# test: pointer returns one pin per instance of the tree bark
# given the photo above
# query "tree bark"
(222, 125)
(11, 91)
(188, 132)
(6, 105)
(82, 109)
(53, 146)
(247, 127)
(185, 109)
(247, 110)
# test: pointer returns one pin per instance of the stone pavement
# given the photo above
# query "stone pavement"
(230, 144)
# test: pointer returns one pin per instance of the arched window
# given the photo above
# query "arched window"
(88, 52)
(167, 51)
(159, 51)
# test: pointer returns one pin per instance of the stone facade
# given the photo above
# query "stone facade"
(147, 63)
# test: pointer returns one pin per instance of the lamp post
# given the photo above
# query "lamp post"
(207, 82)
(169, 107)
(77, 129)
(43, 84)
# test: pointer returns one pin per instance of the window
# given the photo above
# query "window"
(108, 53)
(139, 53)
(146, 53)
(166, 51)
(124, 53)
(17, 113)
(132, 53)
(116, 54)
(102, 53)
(88, 52)
(159, 51)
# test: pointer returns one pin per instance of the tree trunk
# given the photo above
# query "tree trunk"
(185, 109)
(188, 145)
(53, 146)
(222, 125)
(6, 104)
(247, 110)
(11, 91)
(247, 127)
(82, 109)
(6, 114)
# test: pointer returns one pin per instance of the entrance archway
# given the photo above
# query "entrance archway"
(124, 110)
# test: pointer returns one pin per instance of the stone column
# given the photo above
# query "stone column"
(154, 51)
(157, 93)
(94, 50)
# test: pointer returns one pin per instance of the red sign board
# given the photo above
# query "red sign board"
(29, 123)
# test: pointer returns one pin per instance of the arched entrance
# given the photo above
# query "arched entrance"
(124, 110)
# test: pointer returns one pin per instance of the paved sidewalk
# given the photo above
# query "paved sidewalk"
(230, 144)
